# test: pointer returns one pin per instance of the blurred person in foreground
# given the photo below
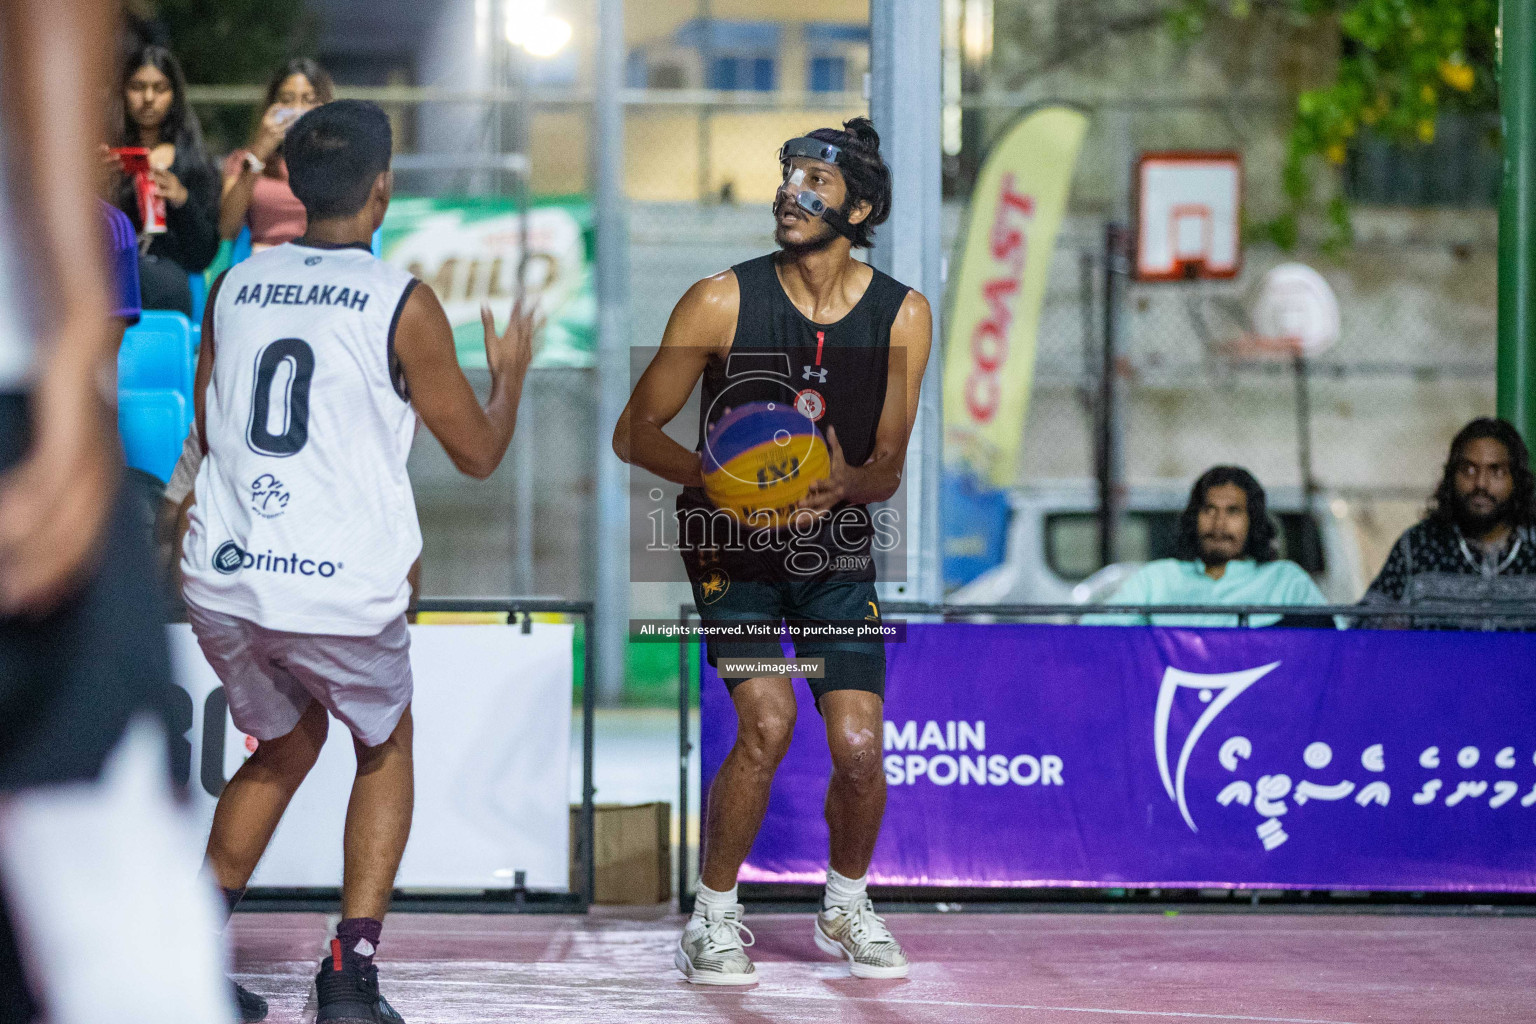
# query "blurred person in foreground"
(1226, 556)
(101, 916)
(857, 341)
(151, 111)
(256, 190)
(317, 364)
(1476, 546)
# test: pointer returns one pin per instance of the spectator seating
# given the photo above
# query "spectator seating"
(155, 368)
(199, 296)
(156, 353)
(153, 425)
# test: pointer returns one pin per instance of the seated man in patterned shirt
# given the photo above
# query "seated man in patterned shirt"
(1475, 549)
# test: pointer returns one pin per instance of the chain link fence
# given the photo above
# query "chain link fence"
(1416, 295)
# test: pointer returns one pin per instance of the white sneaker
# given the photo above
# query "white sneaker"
(711, 951)
(860, 936)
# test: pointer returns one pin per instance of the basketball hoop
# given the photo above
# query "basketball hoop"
(1188, 216)
(1248, 347)
(1293, 312)
(1295, 309)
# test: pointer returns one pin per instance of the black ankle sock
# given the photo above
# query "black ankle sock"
(232, 898)
(358, 938)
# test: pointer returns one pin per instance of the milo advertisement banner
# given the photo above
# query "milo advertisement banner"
(468, 249)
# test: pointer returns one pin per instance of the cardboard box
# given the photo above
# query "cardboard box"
(633, 845)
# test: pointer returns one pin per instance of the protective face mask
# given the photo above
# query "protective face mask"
(804, 198)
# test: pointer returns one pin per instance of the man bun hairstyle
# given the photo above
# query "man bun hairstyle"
(866, 175)
(334, 154)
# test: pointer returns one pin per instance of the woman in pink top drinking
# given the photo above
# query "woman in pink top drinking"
(256, 192)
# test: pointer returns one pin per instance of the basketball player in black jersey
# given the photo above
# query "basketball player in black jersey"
(847, 345)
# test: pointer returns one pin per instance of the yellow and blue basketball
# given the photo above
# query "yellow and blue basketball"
(760, 459)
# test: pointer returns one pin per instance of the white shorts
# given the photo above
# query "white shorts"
(270, 676)
(113, 919)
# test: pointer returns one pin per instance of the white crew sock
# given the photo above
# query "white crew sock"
(704, 897)
(843, 891)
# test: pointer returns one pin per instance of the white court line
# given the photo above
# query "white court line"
(769, 993)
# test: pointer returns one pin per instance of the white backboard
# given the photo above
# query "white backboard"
(1295, 304)
(1188, 216)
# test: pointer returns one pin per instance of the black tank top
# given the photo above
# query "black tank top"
(835, 373)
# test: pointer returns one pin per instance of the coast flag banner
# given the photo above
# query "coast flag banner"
(1016, 211)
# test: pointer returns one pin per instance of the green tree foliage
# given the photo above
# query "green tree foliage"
(1401, 64)
(235, 42)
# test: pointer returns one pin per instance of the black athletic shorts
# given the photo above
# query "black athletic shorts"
(71, 681)
(849, 664)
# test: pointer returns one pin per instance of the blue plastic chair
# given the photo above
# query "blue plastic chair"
(166, 321)
(153, 425)
(156, 356)
(199, 289)
(192, 351)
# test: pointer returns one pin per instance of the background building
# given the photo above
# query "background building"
(714, 86)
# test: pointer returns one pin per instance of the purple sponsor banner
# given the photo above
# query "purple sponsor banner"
(1129, 756)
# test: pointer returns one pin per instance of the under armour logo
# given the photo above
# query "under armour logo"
(813, 373)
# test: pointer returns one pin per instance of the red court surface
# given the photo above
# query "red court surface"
(1095, 968)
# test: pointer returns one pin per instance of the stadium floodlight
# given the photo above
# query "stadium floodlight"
(547, 36)
(530, 26)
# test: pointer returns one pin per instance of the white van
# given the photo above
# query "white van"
(1051, 551)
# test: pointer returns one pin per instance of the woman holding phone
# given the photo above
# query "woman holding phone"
(256, 192)
(152, 114)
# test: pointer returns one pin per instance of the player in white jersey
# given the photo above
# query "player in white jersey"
(317, 360)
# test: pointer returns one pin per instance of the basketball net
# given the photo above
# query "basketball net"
(1248, 347)
(1226, 330)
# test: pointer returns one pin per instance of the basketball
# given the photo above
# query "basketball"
(760, 459)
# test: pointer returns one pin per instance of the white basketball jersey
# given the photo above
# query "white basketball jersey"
(304, 520)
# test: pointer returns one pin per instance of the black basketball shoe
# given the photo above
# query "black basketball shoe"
(349, 994)
(253, 1008)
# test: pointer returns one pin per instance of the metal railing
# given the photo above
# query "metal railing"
(1479, 615)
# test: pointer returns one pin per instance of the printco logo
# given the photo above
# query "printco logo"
(230, 558)
(952, 764)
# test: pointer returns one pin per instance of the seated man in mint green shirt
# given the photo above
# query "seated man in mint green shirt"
(1227, 557)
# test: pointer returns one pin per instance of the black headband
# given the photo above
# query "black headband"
(813, 149)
